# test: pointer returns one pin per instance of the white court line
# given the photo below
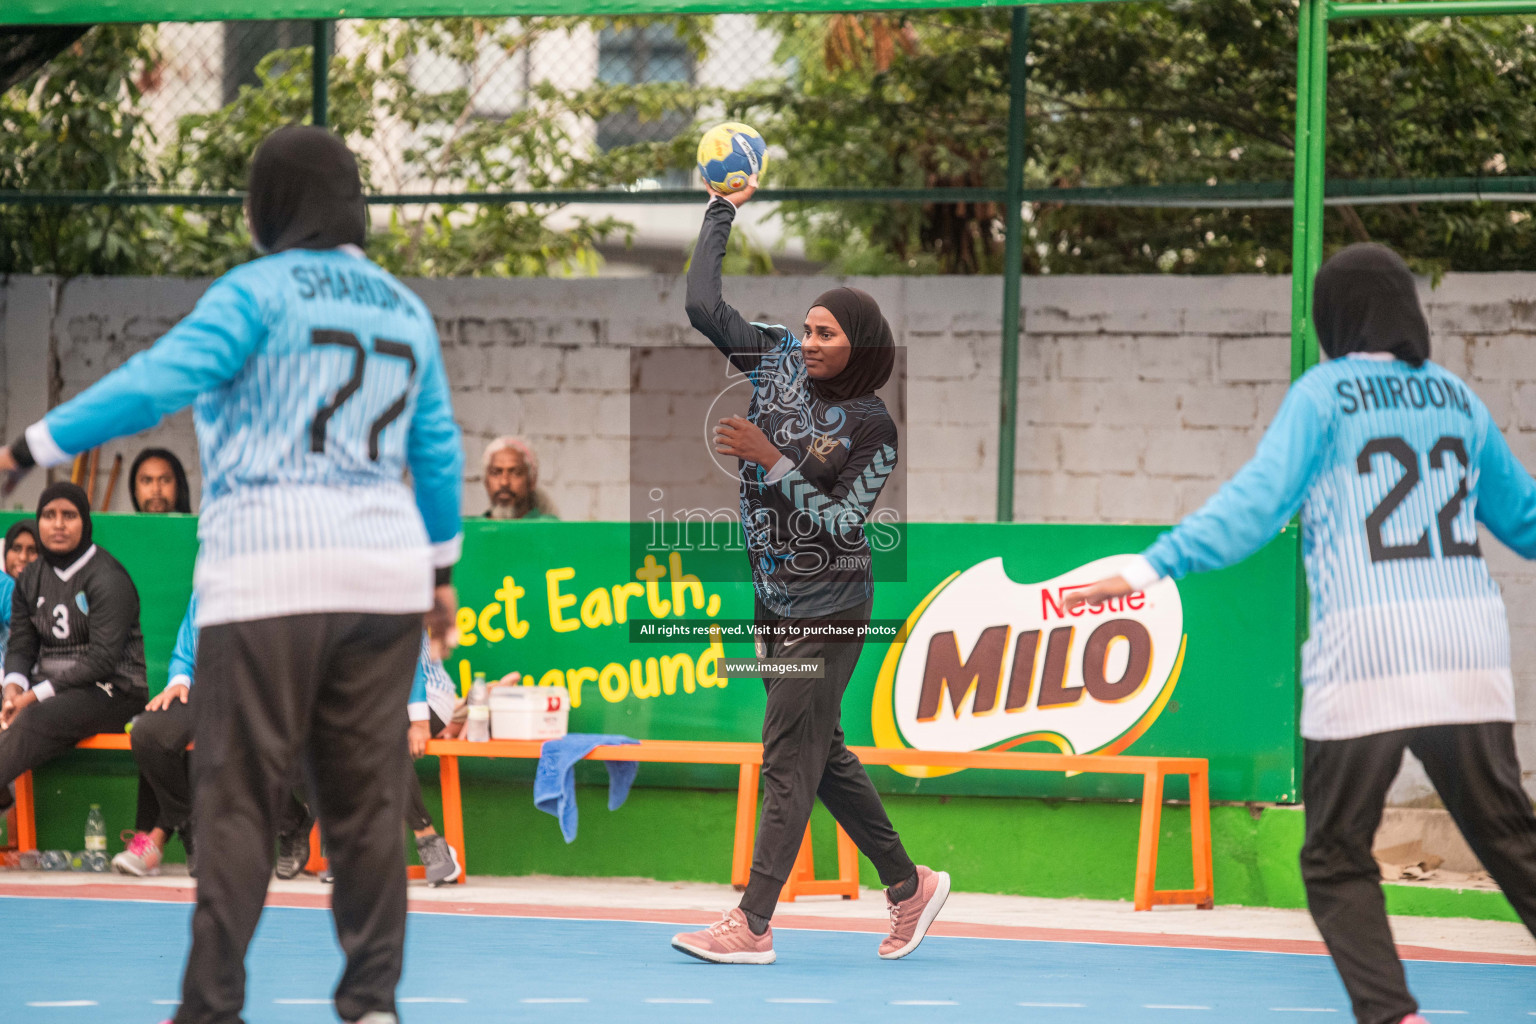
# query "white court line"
(800, 1001)
(165, 1002)
(682, 1002)
(1302, 1009)
(554, 999)
(1074, 1006)
(923, 1002)
(302, 1002)
(1167, 1006)
(67, 1002)
(430, 999)
(1426, 1013)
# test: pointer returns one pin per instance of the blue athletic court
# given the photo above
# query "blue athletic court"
(118, 962)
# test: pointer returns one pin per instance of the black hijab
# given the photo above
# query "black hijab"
(183, 499)
(1365, 300)
(305, 192)
(873, 348)
(76, 497)
(20, 527)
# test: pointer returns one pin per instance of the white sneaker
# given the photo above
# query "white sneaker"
(142, 858)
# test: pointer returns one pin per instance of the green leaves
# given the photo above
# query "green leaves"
(1134, 93)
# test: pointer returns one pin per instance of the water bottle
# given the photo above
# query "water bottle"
(477, 728)
(95, 831)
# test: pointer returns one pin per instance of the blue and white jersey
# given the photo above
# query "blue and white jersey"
(7, 591)
(432, 691)
(1391, 468)
(183, 666)
(316, 380)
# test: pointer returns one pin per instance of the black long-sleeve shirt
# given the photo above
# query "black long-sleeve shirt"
(804, 528)
(77, 627)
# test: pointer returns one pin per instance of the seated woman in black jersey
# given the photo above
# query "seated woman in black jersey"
(74, 665)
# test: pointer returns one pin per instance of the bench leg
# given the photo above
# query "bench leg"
(26, 821)
(1146, 847)
(453, 809)
(746, 825)
(1200, 838)
(316, 862)
(847, 864)
(802, 873)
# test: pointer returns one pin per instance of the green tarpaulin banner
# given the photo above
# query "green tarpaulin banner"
(972, 647)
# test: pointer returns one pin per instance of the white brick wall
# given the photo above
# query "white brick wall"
(1137, 395)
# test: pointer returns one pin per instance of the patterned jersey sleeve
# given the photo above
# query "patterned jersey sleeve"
(842, 510)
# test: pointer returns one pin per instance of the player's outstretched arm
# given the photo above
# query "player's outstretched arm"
(1245, 513)
(707, 309)
(206, 349)
(1506, 495)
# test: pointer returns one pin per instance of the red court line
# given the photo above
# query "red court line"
(960, 930)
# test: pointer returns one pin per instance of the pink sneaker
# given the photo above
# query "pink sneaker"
(911, 917)
(727, 941)
(1413, 1018)
(142, 857)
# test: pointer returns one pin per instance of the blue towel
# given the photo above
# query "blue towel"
(554, 787)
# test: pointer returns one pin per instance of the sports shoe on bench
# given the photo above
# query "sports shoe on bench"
(293, 851)
(438, 858)
(142, 858)
(911, 917)
(727, 941)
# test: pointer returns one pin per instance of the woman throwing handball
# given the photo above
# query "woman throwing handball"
(814, 451)
(1392, 461)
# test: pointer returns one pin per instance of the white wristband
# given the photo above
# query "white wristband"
(1139, 573)
(780, 468)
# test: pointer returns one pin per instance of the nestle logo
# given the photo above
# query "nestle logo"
(1050, 606)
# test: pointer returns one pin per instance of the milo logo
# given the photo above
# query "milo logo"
(989, 663)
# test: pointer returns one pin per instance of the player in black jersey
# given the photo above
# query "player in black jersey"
(815, 449)
(74, 666)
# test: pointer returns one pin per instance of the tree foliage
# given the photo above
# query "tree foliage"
(77, 125)
(1195, 91)
(1189, 91)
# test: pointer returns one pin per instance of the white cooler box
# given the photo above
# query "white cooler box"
(529, 712)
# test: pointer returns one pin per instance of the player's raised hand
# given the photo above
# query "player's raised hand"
(737, 198)
(1114, 586)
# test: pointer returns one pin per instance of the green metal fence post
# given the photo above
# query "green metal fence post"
(1300, 221)
(1307, 214)
(1317, 161)
(1013, 262)
(320, 97)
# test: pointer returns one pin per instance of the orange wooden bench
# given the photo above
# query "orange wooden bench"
(802, 881)
(749, 758)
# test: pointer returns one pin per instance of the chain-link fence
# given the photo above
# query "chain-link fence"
(408, 92)
(1159, 138)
